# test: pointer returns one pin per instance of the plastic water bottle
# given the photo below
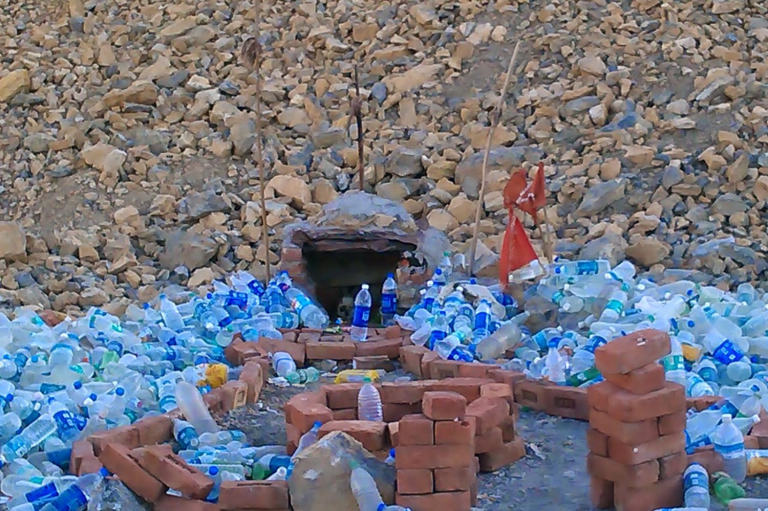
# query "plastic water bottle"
(483, 319)
(439, 279)
(283, 364)
(10, 423)
(303, 376)
(170, 314)
(310, 314)
(451, 348)
(578, 268)
(359, 330)
(696, 386)
(446, 265)
(555, 364)
(185, 434)
(66, 423)
(439, 330)
(389, 300)
(308, 438)
(430, 296)
(281, 474)
(495, 345)
(32, 436)
(696, 483)
(194, 409)
(364, 488)
(77, 495)
(369, 403)
(729, 442)
(215, 475)
(725, 488)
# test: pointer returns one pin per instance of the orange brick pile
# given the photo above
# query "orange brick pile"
(637, 421)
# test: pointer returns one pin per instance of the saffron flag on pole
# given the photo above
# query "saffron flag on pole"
(534, 196)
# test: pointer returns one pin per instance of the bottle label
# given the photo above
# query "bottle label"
(615, 306)
(71, 499)
(730, 451)
(300, 302)
(558, 297)
(672, 363)
(692, 445)
(256, 287)
(429, 303)
(44, 492)
(694, 478)
(460, 355)
(586, 267)
(236, 299)
(65, 422)
(583, 377)
(482, 321)
(388, 303)
(361, 317)
(727, 352)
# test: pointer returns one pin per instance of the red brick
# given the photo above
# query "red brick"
(117, 459)
(673, 465)
(253, 376)
(342, 395)
(387, 347)
(646, 379)
(570, 402)
(156, 429)
(292, 433)
(597, 442)
(700, 403)
(467, 387)
(393, 412)
(501, 390)
(508, 429)
(373, 362)
(236, 350)
(707, 456)
(139, 453)
(665, 493)
(442, 369)
(214, 400)
(81, 450)
(672, 423)
(632, 351)
(448, 501)
(508, 377)
(265, 345)
(393, 332)
(454, 479)
(633, 454)
(444, 405)
(346, 414)
(532, 394)
(127, 436)
(330, 350)
(393, 430)
(506, 455)
(751, 442)
(254, 495)
(489, 441)
(235, 395)
(600, 493)
(303, 410)
(488, 413)
(760, 430)
(416, 430)
(433, 456)
(628, 407)
(291, 255)
(306, 336)
(641, 474)
(455, 432)
(426, 362)
(405, 392)
(410, 359)
(174, 472)
(373, 435)
(172, 503)
(627, 432)
(415, 482)
(477, 370)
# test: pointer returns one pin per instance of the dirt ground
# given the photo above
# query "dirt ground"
(553, 475)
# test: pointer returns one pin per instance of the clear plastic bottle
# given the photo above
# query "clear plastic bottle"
(729, 443)
(696, 386)
(615, 306)
(578, 268)
(555, 364)
(439, 279)
(446, 265)
(170, 314)
(451, 348)
(9, 426)
(194, 409)
(495, 345)
(283, 364)
(66, 423)
(281, 474)
(430, 296)
(77, 495)
(369, 403)
(303, 376)
(696, 484)
(483, 319)
(310, 314)
(32, 436)
(308, 438)
(185, 434)
(362, 314)
(439, 329)
(364, 488)
(389, 300)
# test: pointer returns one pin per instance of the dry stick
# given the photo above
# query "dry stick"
(546, 238)
(356, 111)
(495, 119)
(252, 56)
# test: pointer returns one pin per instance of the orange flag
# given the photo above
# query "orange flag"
(516, 250)
(515, 186)
(534, 196)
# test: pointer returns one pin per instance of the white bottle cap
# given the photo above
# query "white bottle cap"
(365, 286)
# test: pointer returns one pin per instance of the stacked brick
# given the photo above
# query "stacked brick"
(435, 456)
(637, 422)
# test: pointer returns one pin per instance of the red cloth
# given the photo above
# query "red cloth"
(516, 250)
(534, 196)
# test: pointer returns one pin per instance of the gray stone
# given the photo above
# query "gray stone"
(229, 88)
(196, 205)
(38, 142)
(185, 248)
(610, 246)
(320, 478)
(325, 138)
(173, 80)
(243, 136)
(379, 92)
(579, 105)
(469, 170)
(600, 197)
(729, 204)
(404, 162)
(671, 176)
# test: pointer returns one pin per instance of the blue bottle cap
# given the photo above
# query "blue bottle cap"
(391, 275)
(120, 391)
(78, 385)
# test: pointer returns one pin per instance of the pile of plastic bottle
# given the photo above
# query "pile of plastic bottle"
(719, 339)
(64, 383)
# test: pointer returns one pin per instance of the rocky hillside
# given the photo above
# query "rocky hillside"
(127, 131)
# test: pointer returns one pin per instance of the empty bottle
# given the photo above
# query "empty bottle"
(303, 376)
(310, 314)
(439, 329)
(194, 408)
(185, 434)
(369, 403)
(446, 265)
(78, 494)
(32, 436)
(308, 438)
(389, 300)
(696, 386)
(283, 364)
(364, 488)
(281, 474)
(170, 314)
(696, 484)
(430, 296)
(362, 314)
(495, 345)
(555, 364)
(729, 442)
(725, 488)
(578, 268)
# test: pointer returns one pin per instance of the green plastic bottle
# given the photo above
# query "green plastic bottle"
(725, 488)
